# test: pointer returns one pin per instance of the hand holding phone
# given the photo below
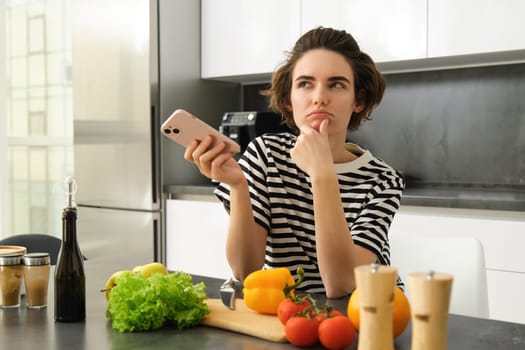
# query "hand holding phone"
(183, 127)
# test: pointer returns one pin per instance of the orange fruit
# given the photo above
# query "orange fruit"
(401, 311)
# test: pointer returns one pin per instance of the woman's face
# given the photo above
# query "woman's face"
(323, 88)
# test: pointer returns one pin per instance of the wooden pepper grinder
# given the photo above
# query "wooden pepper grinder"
(430, 293)
(376, 285)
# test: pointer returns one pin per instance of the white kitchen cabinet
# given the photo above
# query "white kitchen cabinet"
(196, 237)
(197, 229)
(506, 295)
(503, 237)
(246, 37)
(244, 41)
(386, 30)
(459, 27)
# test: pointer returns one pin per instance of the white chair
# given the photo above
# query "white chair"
(463, 257)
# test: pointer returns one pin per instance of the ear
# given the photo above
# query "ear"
(360, 104)
(359, 108)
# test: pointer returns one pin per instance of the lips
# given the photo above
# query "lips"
(316, 118)
(319, 114)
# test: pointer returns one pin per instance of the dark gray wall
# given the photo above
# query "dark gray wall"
(463, 126)
(181, 86)
(460, 126)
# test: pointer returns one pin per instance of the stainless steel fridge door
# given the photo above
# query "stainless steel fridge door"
(124, 238)
(115, 175)
(115, 104)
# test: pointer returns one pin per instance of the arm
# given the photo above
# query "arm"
(246, 241)
(337, 254)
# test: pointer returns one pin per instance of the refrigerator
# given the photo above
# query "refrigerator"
(117, 161)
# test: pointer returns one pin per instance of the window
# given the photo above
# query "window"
(36, 139)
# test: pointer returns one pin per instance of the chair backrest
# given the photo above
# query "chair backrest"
(36, 242)
(463, 257)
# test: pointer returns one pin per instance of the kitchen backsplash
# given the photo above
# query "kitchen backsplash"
(452, 127)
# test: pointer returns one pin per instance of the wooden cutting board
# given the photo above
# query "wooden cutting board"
(245, 321)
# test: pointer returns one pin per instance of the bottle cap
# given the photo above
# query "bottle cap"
(35, 259)
(71, 189)
(10, 259)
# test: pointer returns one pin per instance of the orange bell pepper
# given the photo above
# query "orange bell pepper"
(265, 289)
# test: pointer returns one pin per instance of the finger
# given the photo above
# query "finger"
(220, 160)
(305, 129)
(202, 148)
(212, 153)
(188, 153)
(323, 128)
(206, 159)
(205, 144)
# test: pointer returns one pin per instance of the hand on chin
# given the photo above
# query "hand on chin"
(316, 124)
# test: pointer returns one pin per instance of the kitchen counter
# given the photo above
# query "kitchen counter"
(22, 328)
(511, 198)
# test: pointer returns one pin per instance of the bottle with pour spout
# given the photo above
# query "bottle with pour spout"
(70, 281)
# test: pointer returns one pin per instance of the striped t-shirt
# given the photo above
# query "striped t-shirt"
(282, 203)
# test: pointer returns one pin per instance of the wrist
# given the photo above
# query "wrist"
(325, 175)
(239, 185)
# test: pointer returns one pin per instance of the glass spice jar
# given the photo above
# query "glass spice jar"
(36, 279)
(10, 280)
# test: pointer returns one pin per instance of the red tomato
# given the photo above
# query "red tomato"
(336, 333)
(322, 315)
(288, 308)
(301, 331)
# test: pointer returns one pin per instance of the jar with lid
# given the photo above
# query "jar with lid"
(36, 279)
(10, 280)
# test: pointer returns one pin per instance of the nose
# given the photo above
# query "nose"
(320, 96)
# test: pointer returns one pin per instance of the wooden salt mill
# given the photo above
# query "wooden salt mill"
(430, 294)
(376, 285)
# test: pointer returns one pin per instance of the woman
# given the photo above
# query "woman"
(310, 200)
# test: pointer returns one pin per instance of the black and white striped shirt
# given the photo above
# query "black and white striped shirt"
(282, 203)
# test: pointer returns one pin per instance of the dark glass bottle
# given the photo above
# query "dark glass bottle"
(70, 281)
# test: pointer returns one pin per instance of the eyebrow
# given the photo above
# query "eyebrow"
(334, 78)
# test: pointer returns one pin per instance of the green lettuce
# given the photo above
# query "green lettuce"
(138, 303)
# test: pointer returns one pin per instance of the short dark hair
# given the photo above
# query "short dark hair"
(369, 83)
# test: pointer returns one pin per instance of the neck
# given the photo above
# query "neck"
(339, 152)
(345, 157)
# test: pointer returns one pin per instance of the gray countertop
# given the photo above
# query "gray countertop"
(495, 197)
(21, 328)
(511, 198)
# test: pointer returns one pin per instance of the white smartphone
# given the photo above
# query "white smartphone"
(183, 127)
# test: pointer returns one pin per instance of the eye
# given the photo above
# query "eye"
(303, 83)
(337, 85)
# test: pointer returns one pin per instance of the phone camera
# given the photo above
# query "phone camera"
(176, 131)
(167, 131)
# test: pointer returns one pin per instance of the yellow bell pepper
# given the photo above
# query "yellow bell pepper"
(265, 289)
